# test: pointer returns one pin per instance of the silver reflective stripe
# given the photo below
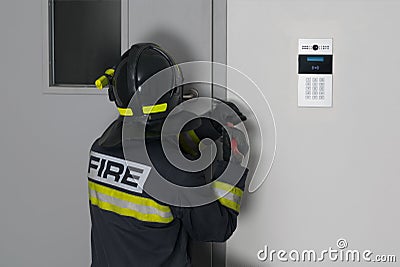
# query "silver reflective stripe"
(142, 209)
(228, 195)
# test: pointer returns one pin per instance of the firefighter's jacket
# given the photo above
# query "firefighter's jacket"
(130, 227)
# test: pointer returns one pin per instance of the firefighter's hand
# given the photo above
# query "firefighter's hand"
(228, 116)
(235, 146)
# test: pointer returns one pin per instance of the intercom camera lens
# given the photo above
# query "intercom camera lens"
(315, 47)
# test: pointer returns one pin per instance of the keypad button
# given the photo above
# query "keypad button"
(315, 80)
(321, 80)
(315, 97)
(308, 79)
(308, 97)
(321, 97)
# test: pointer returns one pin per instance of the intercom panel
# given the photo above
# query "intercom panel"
(315, 71)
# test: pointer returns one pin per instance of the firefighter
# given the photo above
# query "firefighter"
(130, 227)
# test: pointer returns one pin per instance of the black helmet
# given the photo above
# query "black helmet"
(137, 65)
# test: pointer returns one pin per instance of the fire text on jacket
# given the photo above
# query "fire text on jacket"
(118, 172)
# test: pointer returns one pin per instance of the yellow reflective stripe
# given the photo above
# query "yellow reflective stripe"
(185, 146)
(230, 196)
(189, 144)
(128, 212)
(230, 204)
(155, 109)
(127, 197)
(194, 137)
(110, 72)
(227, 195)
(125, 111)
(229, 188)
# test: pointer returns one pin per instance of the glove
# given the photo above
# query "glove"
(222, 114)
(236, 146)
(219, 109)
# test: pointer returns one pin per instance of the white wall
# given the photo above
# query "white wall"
(337, 170)
(44, 144)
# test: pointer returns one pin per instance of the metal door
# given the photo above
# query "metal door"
(190, 30)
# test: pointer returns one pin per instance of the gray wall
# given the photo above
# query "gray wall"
(44, 143)
(337, 170)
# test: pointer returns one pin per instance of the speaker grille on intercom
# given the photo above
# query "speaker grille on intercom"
(310, 47)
